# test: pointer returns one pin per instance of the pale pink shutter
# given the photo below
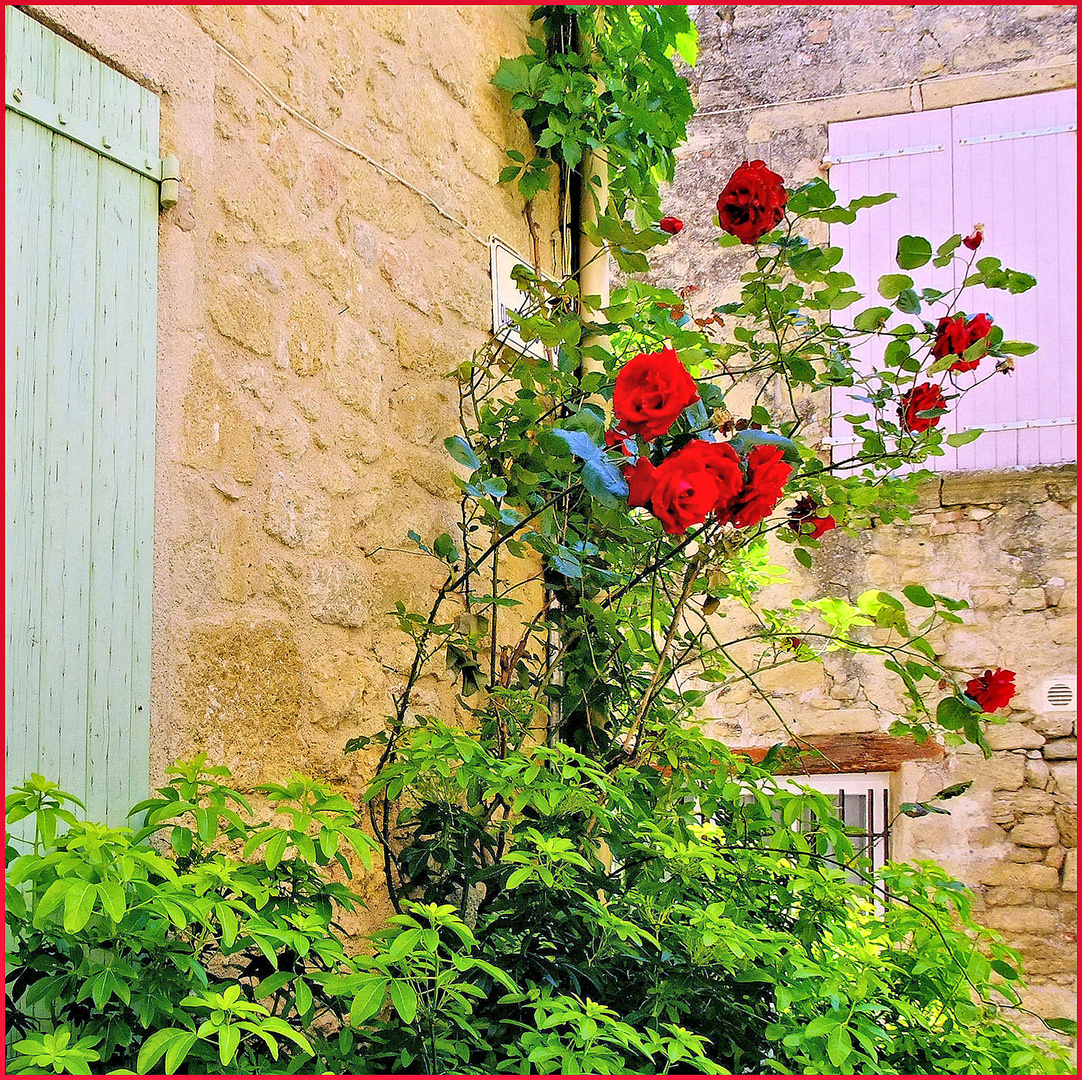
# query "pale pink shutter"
(1009, 164)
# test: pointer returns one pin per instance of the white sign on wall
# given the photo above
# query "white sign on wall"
(507, 297)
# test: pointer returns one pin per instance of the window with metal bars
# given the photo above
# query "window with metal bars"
(862, 802)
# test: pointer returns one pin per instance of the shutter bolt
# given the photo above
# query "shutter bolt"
(61, 119)
(106, 142)
(16, 94)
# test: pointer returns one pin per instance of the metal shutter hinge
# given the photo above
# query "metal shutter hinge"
(169, 191)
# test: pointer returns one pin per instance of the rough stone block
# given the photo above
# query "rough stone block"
(297, 515)
(1061, 750)
(1012, 736)
(1020, 875)
(337, 591)
(1036, 832)
(239, 313)
(1021, 920)
(1070, 872)
(307, 332)
(1052, 725)
(1065, 778)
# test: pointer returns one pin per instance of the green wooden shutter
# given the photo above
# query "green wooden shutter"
(82, 255)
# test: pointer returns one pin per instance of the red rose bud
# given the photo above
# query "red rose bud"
(752, 203)
(617, 438)
(954, 335)
(992, 690)
(973, 241)
(766, 475)
(651, 391)
(671, 225)
(640, 482)
(921, 398)
(804, 513)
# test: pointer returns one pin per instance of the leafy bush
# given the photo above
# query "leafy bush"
(124, 954)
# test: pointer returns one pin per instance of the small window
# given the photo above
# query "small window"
(862, 801)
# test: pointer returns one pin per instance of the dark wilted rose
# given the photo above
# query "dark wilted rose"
(920, 399)
(651, 391)
(955, 334)
(805, 513)
(752, 203)
(765, 477)
(992, 690)
(670, 225)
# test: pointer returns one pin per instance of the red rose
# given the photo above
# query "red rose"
(651, 391)
(992, 690)
(670, 225)
(804, 513)
(766, 475)
(640, 482)
(680, 498)
(954, 335)
(973, 241)
(687, 485)
(752, 203)
(617, 438)
(920, 398)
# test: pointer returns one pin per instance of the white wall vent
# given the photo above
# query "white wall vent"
(1060, 695)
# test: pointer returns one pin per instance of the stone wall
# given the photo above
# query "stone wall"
(768, 82)
(310, 307)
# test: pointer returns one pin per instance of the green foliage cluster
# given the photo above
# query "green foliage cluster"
(710, 923)
(602, 78)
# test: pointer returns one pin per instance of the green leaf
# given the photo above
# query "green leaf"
(303, 996)
(178, 1050)
(1017, 348)
(913, 251)
(368, 1000)
(460, 450)
(871, 319)
(78, 905)
(155, 1046)
(919, 595)
(864, 201)
(113, 900)
(962, 437)
(803, 557)
(839, 1046)
(1062, 1023)
(276, 847)
(908, 301)
(890, 285)
(273, 983)
(53, 898)
(953, 713)
(743, 442)
(228, 1041)
(512, 75)
(444, 548)
(604, 482)
(404, 1000)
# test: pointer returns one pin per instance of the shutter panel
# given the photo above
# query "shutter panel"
(81, 308)
(1022, 188)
